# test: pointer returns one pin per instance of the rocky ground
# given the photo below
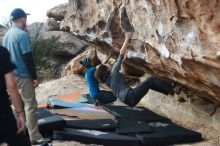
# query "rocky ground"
(74, 83)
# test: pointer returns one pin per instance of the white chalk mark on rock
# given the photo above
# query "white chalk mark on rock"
(108, 40)
(160, 29)
(162, 47)
(158, 2)
(164, 51)
(218, 54)
(136, 54)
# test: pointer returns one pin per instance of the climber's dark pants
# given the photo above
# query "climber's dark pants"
(135, 95)
(106, 97)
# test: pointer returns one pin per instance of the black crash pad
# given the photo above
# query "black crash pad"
(47, 122)
(127, 126)
(96, 137)
(43, 113)
(136, 113)
(99, 124)
(166, 133)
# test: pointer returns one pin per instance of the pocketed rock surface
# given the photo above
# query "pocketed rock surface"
(177, 40)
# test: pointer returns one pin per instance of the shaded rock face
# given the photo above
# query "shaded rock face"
(74, 66)
(52, 25)
(177, 40)
(58, 12)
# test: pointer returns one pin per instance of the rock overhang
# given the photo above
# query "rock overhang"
(176, 40)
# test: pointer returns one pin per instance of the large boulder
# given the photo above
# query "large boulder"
(177, 40)
(36, 30)
(52, 25)
(68, 44)
(58, 12)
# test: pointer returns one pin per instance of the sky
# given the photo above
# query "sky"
(37, 8)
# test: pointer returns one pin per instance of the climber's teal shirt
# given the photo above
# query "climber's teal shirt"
(92, 82)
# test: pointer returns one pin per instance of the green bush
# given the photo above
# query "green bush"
(42, 51)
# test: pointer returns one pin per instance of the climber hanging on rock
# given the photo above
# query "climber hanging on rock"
(116, 81)
(97, 96)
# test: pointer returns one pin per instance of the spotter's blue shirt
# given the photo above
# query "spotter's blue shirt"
(17, 41)
(92, 82)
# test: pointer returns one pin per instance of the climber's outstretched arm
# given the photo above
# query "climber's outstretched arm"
(107, 58)
(117, 66)
(126, 42)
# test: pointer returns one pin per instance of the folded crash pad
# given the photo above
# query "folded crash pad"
(58, 103)
(137, 113)
(96, 137)
(99, 124)
(166, 133)
(127, 126)
(70, 97)
(76, 97)
(83, 114)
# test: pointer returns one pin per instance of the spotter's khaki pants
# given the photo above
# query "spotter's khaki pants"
(27, 92)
